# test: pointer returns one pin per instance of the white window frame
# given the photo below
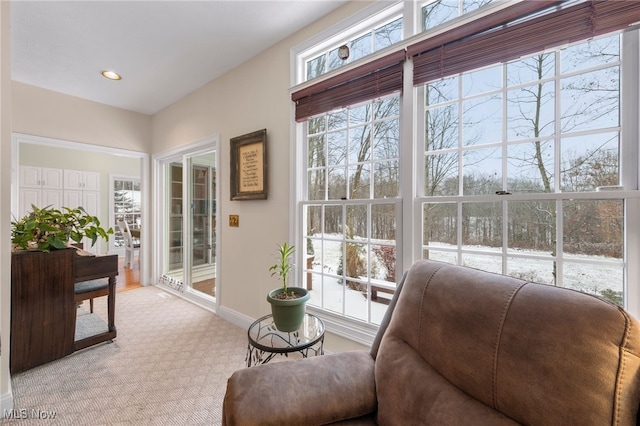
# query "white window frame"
(112, 215)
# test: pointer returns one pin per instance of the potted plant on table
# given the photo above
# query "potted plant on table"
(287, 303)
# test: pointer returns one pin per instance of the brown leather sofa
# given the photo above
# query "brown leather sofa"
(461, 347)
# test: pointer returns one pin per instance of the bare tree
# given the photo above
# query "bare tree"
(440, 11)
(586, 98)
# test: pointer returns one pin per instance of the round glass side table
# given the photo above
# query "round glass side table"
(266, 341)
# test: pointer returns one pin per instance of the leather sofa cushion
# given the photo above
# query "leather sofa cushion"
(499, 350)
(321, 390)
(410, 392)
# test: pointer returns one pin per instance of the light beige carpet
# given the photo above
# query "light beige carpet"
(168, 366)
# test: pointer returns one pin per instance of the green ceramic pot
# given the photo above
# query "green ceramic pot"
(288, 314)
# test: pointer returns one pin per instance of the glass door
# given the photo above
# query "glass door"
(172, 251)
(202, 222)
(189, 242)
(175, 218)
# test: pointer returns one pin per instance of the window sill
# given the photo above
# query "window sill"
(351, 329)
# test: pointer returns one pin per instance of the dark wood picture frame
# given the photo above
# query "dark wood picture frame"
(249, 166)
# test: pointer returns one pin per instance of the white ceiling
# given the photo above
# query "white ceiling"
(164, 50)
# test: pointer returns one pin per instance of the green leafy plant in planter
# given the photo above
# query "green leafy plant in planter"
(287, 303)
(46, 229)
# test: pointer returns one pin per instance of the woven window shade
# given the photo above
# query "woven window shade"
(501, 17)
(511, 41)
(376, 78)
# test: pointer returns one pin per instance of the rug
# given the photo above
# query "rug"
(89, 324)
(168, 365)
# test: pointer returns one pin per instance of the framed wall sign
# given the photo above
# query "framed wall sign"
(249, 166)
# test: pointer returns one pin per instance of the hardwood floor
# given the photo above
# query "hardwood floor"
(128, 278)
(206, 287)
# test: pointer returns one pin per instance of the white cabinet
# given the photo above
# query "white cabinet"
(41, 177)
(30, 197)
(81, 180)
(44, 186)
(30, 176)
(40, 198)
(40, 186)
(82, 189)
(89, 200)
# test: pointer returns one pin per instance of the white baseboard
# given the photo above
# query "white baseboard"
(235, 317)
(6, 403)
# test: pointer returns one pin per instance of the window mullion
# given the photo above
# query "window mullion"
(630, 173)
(505, 147)
(461, 118)
(557, 121)
(412, 183)
(630, 106)
(559, 244)
(505, 234)
(505, 172)
(369, 262)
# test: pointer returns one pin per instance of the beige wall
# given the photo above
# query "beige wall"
(41, 112)
(253, 96)
(74, 159)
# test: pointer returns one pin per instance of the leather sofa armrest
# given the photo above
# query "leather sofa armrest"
(316, 390)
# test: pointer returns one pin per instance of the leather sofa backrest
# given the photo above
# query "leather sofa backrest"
(470, 347)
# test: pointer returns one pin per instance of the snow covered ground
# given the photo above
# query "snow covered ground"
(330, 293)
(591, 274)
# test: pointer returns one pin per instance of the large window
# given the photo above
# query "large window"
(362, 37)
(357, 47)
(498, 139)
(352, 208)
(526, 167)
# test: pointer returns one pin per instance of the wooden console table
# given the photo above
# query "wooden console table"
(43, 308)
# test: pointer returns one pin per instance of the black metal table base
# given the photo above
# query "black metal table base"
(266, 341)
(257, 356)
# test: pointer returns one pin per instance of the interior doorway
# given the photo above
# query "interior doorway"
(92, 167)
(188, 222)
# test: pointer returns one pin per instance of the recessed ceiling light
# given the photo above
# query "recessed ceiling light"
(111, 75)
